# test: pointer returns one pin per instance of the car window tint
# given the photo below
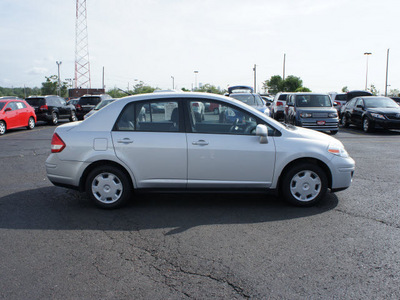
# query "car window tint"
(157, 116)
(12, 105)
(150, 116)
(228, 120)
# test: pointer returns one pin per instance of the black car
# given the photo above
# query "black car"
(397, 99)
(371, 112)
(87, 102)
(52, 108)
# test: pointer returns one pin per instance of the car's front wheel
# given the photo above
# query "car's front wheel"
(31, 123)
(367, 125)
(345, 121)
(304, 184)
(108, 187)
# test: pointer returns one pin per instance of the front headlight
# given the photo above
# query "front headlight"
(305, 115)
(332, 115)
(338, 150)
(378, 116)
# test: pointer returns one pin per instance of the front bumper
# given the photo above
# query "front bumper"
(342, 172)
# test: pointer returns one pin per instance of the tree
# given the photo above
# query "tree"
(209, 88)
(292, 83)
(276, 84)
(345, 89)
(373, 90)
(141, 88)
(50, 86)
(394, 93)
(303, 89)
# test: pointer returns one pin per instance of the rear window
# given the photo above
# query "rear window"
(341, 97)
(36, 101)
(282, 97)
(89, 100)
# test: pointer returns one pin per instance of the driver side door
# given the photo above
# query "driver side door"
(224, 152)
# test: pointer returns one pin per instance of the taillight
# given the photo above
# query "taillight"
(57, 144)
(195, 104)
(279, 103)
(44, 107)
(78, 107)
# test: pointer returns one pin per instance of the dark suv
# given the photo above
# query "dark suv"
(52, 108)
(87, 102)
(311, 110)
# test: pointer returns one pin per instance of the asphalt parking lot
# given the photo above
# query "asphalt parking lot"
(56, 244)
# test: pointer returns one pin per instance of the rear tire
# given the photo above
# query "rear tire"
(108, 187)
(333, 132)
(3, 127)
(54, 118)
(31, 123)
(304, 184)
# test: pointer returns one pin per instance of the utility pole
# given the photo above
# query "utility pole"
(255, 77)
(284, 65)
(59, 80)
(387, 71)
(82, 67)
(366, 72)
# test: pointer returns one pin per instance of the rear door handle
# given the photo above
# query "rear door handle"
(125, 141)
(200, 143)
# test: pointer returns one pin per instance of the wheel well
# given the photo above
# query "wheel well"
(319, 163)
(87, 171)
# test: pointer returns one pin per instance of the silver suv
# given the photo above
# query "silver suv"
(278, 106)
(117, 151)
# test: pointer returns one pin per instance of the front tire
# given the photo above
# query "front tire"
(367, 125)
(108, 187)
(73, 117)
(31, 123)
(345, 121)
(305, 184)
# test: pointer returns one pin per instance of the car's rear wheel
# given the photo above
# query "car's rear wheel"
(108, 187)
(367, 125)
(31, 123)
(73, 117)
(3, 127)
(304, 184)
(54, 118)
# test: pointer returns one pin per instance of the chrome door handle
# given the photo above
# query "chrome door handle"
(125, 141)
(200, 143)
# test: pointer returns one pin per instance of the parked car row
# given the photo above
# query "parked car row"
(15, 112)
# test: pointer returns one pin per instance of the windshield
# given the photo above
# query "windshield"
(313, 101)
(380, 103)
(249, 99)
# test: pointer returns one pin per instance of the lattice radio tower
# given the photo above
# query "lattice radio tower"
(82, 66)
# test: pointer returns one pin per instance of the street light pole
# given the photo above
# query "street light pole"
(387, 72)
(173, 82)
(255, 78)
(59, 81)
(366, 72)
(195, 79)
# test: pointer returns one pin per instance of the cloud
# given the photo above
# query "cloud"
(37, 71)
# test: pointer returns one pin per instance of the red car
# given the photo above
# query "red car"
(16, 113)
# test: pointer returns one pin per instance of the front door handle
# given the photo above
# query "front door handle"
(200, 143)
(125, 141)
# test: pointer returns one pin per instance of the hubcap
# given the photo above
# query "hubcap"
(31, 123)
(107, 188)
(305, 186)
(366, 124)
(2, 128)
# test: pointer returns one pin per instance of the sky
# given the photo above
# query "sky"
(155, 40)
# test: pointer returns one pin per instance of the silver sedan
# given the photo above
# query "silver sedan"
(125, 148)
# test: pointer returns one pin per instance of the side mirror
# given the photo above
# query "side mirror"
(360, 106)
(290, 104)
(8, 109)
(262, 132)
(268, 103)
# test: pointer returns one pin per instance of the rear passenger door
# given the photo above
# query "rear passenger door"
(154, 132)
